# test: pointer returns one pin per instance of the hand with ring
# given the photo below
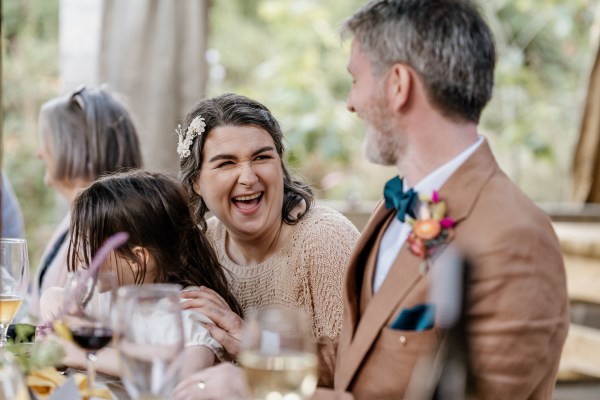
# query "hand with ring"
(224, 381)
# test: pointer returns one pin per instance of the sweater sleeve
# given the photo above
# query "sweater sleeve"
(328, 243)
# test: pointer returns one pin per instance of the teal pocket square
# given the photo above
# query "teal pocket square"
(418, 318)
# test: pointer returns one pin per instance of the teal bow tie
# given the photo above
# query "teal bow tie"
(403, 202)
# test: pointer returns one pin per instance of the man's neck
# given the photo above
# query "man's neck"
(433, 144)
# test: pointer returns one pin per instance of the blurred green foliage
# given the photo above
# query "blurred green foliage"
(545, 51)
(288, 54)
(30, 76)
(33, 355)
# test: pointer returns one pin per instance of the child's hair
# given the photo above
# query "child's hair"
(152, 208)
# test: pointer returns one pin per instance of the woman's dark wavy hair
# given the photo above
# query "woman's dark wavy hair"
(152, 208)
(236, 110)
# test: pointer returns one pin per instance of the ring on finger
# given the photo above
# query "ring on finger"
(201, 384)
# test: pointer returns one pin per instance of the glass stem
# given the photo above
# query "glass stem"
(3, 330)
(91, 373)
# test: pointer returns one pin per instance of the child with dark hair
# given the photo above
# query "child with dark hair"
(164, 246)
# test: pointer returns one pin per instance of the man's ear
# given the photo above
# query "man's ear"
(400, 81)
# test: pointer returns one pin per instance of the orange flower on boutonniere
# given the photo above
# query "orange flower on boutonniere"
(431, 229)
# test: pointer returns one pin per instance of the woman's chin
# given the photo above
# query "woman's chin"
(248, 229)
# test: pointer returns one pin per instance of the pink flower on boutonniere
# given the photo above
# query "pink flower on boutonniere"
(430, 229)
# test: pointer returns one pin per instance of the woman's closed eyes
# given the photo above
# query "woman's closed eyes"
(260, 157)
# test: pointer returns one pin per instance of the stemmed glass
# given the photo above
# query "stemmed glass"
(278, 355)
(12, 382)
(150, 339)
(14, 277)
(87, 314)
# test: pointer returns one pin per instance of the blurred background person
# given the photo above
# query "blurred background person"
(82, 136)
(12, 217)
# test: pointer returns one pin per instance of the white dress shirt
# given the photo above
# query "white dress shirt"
(397, 232)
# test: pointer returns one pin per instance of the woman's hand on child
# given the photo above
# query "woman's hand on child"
(228, 325)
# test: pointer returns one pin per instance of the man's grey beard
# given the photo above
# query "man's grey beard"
(380, 148)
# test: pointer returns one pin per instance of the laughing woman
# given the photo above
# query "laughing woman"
(282, 250)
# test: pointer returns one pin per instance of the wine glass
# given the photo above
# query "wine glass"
(12, 382)
(88, 314)
(14, 277)
(278, 355)
(150, 339)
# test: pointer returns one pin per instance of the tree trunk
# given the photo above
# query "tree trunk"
(586, 163)
(150, 51)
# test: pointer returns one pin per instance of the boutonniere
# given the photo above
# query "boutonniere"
(430, 229)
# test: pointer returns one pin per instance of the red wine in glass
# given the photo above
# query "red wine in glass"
(92, 338)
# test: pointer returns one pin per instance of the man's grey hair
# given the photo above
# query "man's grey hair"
(446, 42)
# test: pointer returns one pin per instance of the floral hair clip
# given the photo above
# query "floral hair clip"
(195, 128)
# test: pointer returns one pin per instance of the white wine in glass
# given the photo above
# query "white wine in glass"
(278, 355)
(9, 305)
(14, 277)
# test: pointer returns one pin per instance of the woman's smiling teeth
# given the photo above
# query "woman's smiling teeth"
(248, 202)
(248, 197)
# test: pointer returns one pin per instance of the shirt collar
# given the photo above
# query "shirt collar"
(440, 175)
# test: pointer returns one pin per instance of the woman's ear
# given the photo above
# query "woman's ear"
(196, 187)
(399, 85)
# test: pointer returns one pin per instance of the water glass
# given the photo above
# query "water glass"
(12, 382)
(150, 339)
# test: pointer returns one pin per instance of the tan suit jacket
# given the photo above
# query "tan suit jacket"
(518, 311)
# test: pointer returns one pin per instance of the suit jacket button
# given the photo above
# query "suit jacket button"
(402, 339)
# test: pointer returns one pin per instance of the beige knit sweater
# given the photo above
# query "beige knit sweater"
(306, 272)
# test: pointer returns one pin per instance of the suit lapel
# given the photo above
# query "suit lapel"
(401, 278)
(354, 272)
(353, 282)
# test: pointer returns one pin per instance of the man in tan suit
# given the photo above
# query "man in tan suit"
(518, 314)
(422, 73)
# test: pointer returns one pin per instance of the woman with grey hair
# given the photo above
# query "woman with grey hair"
(83, 135)
(281, 250)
